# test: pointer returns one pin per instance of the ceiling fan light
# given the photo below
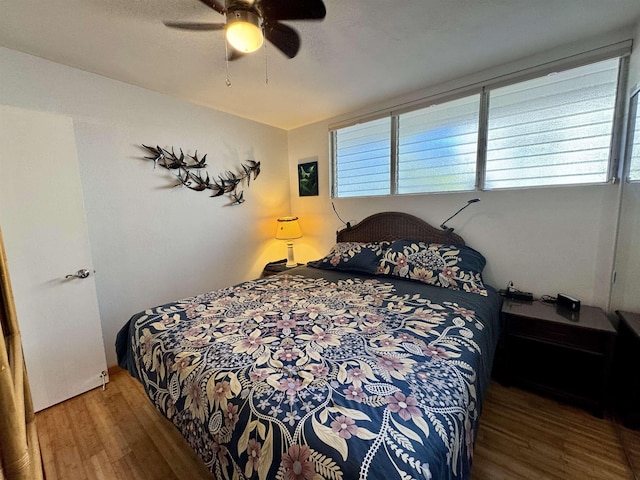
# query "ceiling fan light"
(243, 31)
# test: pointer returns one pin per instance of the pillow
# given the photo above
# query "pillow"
(353, 256)
(457, 267)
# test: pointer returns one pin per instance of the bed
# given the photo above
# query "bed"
(369, 363)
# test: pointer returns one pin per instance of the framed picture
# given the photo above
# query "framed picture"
(308, 179)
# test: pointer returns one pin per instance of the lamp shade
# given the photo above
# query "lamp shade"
(243, 31)
(288, 228)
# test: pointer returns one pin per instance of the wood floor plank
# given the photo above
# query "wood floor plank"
(128, 468)
(66, 461)
(184, 463)
(141, 444)
(107, 428)
(631, 440)
(100, 467)
(534, 437)
(117, 434)
(69, 464)
(47, 450)
(83, 428)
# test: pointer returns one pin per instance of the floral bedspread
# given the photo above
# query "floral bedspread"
(293, 377)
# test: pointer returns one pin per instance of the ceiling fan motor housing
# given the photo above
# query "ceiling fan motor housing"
(247, 5)
(244, 30)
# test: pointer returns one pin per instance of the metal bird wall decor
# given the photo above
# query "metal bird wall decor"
(189, 173)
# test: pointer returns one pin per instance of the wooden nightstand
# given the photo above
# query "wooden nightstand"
(626, 368)
(563, 353)
(273, 268)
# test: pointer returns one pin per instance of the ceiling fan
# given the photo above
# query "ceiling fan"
(249, 22)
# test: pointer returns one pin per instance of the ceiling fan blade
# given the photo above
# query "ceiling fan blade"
(284, 38)
(294, 9)
(196, 26)
(214, 4)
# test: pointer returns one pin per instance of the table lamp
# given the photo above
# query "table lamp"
(289, 229)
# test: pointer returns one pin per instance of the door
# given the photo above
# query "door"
(45, 233)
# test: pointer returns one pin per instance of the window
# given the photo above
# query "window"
(556, 129)
(361, 154)
(437, 147)
(633, 141)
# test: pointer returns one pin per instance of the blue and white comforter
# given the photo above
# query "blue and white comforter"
(320, 375)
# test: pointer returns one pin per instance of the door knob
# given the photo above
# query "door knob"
(82, 273)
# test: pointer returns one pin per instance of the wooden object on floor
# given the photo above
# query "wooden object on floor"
(19, 452)
(118, 434)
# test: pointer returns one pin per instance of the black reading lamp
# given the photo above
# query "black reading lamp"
(449, 230)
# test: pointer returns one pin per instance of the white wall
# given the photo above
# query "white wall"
(547, 241)
(626, 291)
(152, 244)
(544, 240)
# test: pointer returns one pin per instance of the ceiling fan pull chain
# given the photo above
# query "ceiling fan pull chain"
(266, 65)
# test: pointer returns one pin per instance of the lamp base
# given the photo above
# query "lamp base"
(290, 260)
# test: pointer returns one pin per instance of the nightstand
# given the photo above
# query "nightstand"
(626, 368)
(563, 353)
(273, 268)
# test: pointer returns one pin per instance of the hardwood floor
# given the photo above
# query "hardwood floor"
(526, 436)
(114, 434)
(117, 434)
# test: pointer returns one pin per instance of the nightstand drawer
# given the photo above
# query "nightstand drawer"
(561, 334)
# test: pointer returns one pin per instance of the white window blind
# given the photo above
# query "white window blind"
(437, 147)
(634, 140)
(523, 130)
(553, 130)
(363, 159)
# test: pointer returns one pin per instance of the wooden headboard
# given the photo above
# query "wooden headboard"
(390, 226)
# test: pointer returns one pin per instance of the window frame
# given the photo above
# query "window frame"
(633, 124)
(620, 51)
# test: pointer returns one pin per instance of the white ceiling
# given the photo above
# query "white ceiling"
(365, 51)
